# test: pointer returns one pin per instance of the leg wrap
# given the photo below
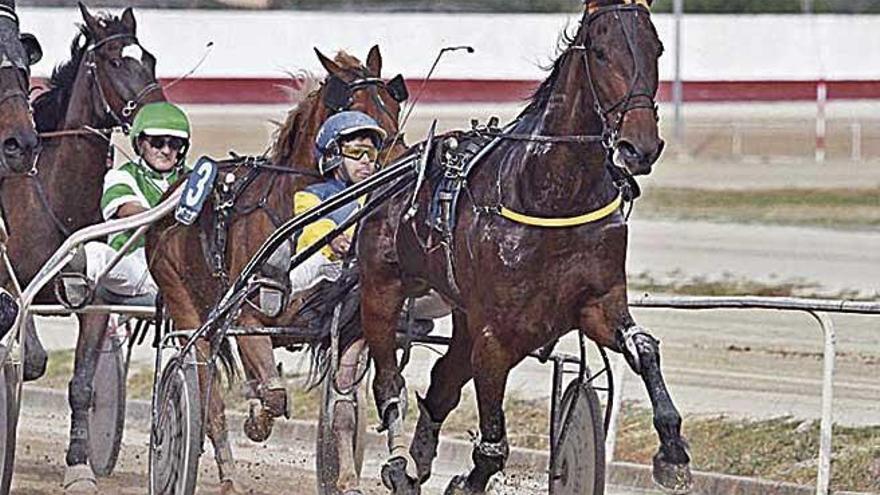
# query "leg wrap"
(636, 341)
(79, 396)
(493, 450)
(393, 424)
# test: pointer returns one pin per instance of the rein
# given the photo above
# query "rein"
(131, 105)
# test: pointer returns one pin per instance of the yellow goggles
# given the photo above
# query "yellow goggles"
(358, 151)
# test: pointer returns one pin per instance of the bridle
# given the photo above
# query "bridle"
(395, 87)
(130, 105)
(612, 115)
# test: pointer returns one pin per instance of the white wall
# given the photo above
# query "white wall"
(510, 46)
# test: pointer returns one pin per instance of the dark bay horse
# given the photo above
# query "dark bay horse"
(516, 281)
(108, 76)
(18, 51)
(191, 284)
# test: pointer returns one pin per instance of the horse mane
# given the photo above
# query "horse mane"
(305, 90)
(50, 107)
(539, 98)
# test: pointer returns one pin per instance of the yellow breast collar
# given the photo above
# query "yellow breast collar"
(563, 222)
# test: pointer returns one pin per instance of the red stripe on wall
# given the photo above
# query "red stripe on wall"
(271, 91)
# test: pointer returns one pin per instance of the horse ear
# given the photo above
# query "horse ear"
(128, 21)
(332, 67)
(31, 47)
(374, 61)
(91, 23)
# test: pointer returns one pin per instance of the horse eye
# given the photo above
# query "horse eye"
(116, 62)
(599, 53)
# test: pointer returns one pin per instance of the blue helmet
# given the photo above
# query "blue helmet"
(339, 126)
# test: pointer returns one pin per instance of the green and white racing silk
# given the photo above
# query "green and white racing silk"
(133, 183)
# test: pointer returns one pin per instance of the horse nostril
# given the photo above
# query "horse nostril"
(628, 151)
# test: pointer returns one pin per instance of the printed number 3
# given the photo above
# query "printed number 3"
(197, 190)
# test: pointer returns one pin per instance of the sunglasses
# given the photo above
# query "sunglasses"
(358, 151)
(159, 142)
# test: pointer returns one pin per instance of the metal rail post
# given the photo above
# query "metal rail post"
(823, 477)
(818, 309)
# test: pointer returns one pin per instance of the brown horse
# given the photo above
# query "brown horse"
(18, 51)
(516, 281)
(98, 89)
(191, 284)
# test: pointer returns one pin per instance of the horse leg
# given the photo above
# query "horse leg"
(381, 302)
(215, 427)
(609, 319)
(448, 376)
(78, 475)
(343, 410)
(490, 363)
(183, 304)
(269, 396)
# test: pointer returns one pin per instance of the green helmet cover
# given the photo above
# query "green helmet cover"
(159, 119)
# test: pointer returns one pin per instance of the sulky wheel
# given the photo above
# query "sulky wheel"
(579, 467)
(10, 405)
(176, 434)
(327, 458)
(107, 416)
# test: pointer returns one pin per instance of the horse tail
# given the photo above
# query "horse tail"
(317, 313)
(227, 361)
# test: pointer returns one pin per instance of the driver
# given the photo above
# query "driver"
(347, 148)
(160, 136)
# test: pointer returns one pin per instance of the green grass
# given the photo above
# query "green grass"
(830, 208)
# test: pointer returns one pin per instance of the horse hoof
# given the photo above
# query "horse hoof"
(80, 479)
(458, 486)
(258, 425)
(673, 478)
(395, 478)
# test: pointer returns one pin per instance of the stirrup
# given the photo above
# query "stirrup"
(74, 290)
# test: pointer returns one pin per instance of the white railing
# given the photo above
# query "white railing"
(817, 308)
(139, 222)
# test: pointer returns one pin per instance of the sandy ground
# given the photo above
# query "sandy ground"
(281, 465)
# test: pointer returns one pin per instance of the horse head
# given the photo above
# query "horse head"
(18, 51)
(621, 48)
(122, 70)
(351, 85)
